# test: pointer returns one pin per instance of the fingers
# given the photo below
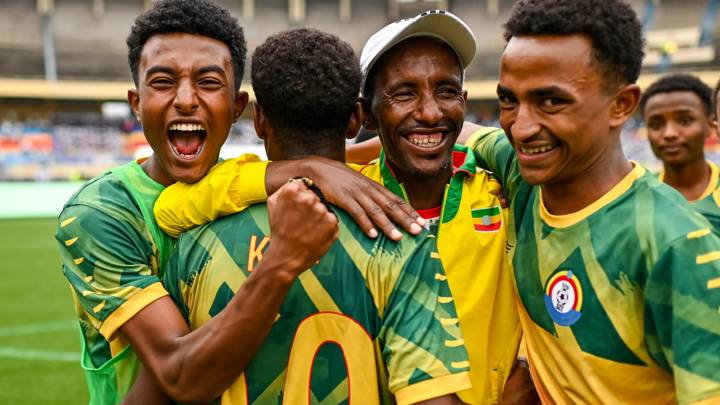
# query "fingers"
(398, 210)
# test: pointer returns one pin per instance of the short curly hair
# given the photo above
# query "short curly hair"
(679, 82)
(199, 17)
(611, 25)
(306, 81)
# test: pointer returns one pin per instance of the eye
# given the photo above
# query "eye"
(402, 95)
(210, 83)
(506, 100)
(552, 102)
(161, 83)
(654, 125)
(449, 91)
(685, 121)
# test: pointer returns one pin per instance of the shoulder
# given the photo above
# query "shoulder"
(667, 217)
(105, 193)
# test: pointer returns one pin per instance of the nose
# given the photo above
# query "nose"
(428, 110)
(525, 125)
(669, 131)
(186, 101)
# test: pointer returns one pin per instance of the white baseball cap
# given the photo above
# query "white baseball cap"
(439, 24)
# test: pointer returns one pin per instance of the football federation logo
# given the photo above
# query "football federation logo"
(487, 219)
(563, 298)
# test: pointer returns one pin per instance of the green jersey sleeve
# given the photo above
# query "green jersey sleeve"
(494, 152)
(420, 337)
(682, 317)
(110, 262)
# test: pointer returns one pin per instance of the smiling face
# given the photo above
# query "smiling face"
(186, 101)
(677, 126)
(555, 107)
(418, 106)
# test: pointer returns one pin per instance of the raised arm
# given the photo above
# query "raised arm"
(236, 183)
(199, 365)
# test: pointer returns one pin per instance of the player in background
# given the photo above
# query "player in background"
(618, 277)
(373, 320)
(187, 60)
(678, 114)
(414, 70)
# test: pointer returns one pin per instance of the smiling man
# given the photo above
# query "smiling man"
(413, 73)
(187, 60)
(678, 116)
(618, 277)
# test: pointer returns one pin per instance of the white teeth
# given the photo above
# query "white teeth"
(534, 151)
(425, 140)
(186, 127)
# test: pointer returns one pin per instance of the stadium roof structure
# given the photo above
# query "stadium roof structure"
(482, 89)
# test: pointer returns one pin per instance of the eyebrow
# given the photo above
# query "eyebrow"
(547, 91)
(159, 69)
(171, 71)
(211, 68)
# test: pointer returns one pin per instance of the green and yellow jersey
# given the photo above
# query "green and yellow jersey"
(708, 203)
(477, 270)
(112, 253)
(619, 302)
(372, 322)
(478, 273)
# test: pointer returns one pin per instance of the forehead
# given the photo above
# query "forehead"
(419, 54)
(674, 101)
(548, 60)
(184, 49)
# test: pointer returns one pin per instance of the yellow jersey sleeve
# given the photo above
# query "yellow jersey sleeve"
(229, 187)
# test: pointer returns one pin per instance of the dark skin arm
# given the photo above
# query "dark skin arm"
(365, 200)
(198, 366)
(519, 388)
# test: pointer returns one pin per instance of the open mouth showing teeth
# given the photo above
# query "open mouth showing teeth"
(187, 140)
(426, 141)
(535, 151)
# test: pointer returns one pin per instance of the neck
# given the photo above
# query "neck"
(426, 192)
(335, 152)
(690, 179)
(153, 169)
(572, 195)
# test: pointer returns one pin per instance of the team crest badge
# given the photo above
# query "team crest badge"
(563, 298)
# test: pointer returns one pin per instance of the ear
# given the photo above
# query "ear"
(241, 101)
(713, 133)
(355, 121)
(260, 121)
(134, 100)
(465, 93)
(625, 103)
(370, 123)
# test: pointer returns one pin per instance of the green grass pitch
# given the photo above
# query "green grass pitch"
(39, 342)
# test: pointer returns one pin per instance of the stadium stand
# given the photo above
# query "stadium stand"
(88, 37)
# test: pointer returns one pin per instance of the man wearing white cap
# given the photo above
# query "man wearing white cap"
(413, 73)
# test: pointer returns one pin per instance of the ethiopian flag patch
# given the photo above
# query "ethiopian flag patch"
(487, 219)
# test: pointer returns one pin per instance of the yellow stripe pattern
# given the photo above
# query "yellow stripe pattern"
(79, 260)
(67, 222)
(714, 283)
(440, 277)
(454, 343)
(449, 321)
(98, 307)
(708, 257)
(460, 364)
(698, 234)
(434, 255)
(70, 242)
(445, 300)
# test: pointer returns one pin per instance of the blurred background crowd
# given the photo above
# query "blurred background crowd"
(64, 75)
